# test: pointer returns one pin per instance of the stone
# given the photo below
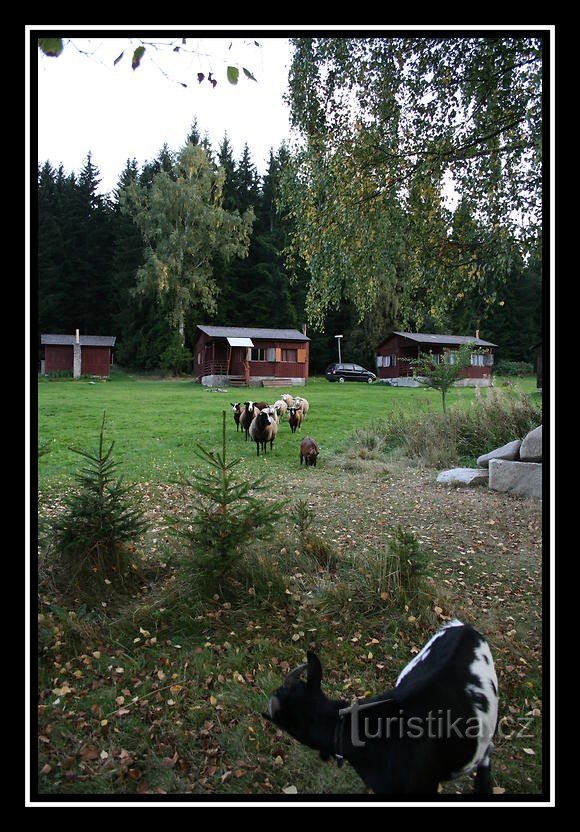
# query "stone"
(463, 476)
(521, 478)
(531, 449)
(509, 451)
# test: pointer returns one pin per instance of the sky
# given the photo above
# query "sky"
(86, 103)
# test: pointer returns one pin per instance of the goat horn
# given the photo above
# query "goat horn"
(295, 674)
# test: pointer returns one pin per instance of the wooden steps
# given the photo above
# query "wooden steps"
(276, 382)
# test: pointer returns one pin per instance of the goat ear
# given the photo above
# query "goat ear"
(314, 677)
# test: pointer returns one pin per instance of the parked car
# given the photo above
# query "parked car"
(348, 372)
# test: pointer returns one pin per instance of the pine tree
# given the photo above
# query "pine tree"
(94, 536)
(228, 514)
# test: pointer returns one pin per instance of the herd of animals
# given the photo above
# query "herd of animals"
(260, 422)
(438, 721)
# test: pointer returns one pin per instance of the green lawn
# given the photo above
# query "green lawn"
(156, 424)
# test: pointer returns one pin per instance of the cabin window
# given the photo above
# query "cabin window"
(271, 354)
(379, 361)
(258, 354)
(481, 359)
(289, 355)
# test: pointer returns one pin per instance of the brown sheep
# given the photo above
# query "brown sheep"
(294, 418)
(308, 451)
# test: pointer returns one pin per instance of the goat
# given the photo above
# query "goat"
(294, 418)
(308, 451)
(302, 403)
(436, 724)
(263, 429)
(249, 410)
(237, 410)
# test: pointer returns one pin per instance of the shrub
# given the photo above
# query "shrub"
(438, 440)
(228, 517)
(312, 545)
(93, 538)
(513, 368)
(176, 357)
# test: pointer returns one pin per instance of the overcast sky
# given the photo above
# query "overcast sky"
(86, 103)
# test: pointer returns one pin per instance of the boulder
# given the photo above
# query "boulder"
(531, 449)
(464, 476)
(521, 478)
(509, 451)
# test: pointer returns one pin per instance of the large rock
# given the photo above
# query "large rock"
(464, 476)
(531, 450)
(521, 478)
(509, 451)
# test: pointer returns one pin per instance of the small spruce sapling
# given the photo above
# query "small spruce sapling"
(229, 515)
(95, 534)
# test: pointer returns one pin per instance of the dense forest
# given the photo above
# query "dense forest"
(92, 256)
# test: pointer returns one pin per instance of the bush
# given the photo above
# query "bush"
(93, 539)
(513, 368)
(439, 440)
(176, 357)
(312, 545)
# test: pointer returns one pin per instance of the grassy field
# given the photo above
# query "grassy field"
(162, 694)
(157, 423)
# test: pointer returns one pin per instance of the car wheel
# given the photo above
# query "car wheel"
(370, 380)
(341, 380)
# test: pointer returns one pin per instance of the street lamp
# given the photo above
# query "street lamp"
(338, 337)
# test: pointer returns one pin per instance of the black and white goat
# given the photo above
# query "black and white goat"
(436, 724)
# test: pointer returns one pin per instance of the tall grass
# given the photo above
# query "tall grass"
(436, 439)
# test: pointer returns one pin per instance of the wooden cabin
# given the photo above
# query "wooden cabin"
(251, 357)
(395, 351)
(82, 355)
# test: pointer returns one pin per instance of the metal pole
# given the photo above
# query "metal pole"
(338, 337)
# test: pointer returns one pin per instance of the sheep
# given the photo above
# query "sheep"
(308, 451)
(281, 407)
(261, 405)
(437, 723)
(237, 410)
(294, 418)
(273, 412)
(302, 403)
(263, 429)
(286, 397)
(248, 412)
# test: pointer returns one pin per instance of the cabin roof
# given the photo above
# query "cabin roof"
(251, 332)
(449, 340)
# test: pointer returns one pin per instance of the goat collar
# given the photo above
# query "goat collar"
(339, 729)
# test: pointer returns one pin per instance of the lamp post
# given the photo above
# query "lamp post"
(338, 337)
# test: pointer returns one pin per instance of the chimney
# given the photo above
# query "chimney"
(304, 329)
(77, 356)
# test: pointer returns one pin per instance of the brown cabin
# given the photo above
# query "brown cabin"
(83, 355)
(395, 351)
(253, 357)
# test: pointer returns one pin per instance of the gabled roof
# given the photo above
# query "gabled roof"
(250, 332)
(85, 340)
(448, 340)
